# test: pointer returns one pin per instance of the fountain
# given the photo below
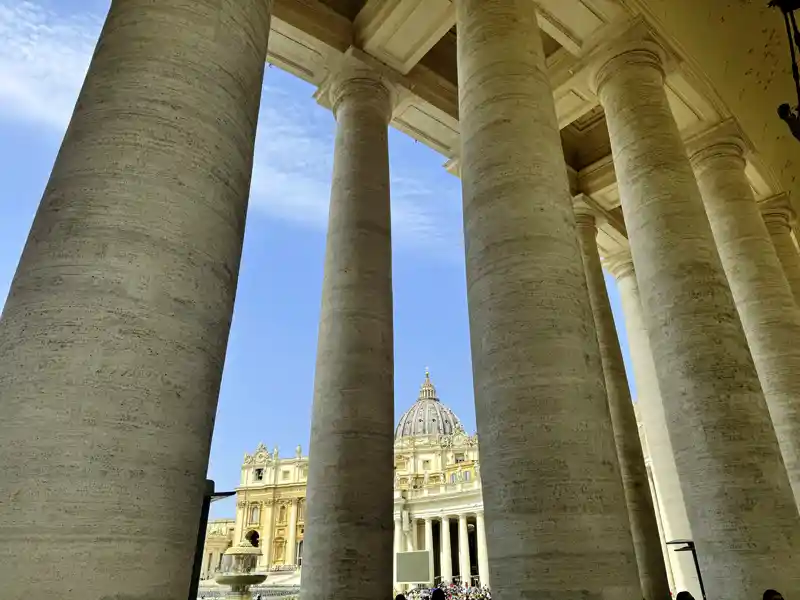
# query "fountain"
(241, 576)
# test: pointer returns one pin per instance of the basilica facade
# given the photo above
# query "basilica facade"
(437, 501)
(639, 136)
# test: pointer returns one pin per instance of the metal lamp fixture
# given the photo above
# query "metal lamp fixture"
(789, 114)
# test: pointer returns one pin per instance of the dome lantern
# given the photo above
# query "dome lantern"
(428, 415)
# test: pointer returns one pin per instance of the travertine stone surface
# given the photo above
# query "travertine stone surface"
(770, 317)
(738, 498)
(779, 218)
(556, 522)
(675, 521)
(113, 337)
(348, 540)
(644, 526)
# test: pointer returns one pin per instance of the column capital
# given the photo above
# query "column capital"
(356, 82)
(586, 216)
(724, 140)
(634, 50)
(778, 210)
(619, 264)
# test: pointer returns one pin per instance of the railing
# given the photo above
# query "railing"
(281, 568)
(266, 592)
(443, 488)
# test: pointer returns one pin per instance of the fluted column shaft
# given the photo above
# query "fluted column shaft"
(770, 317)
(350, 479)
(651, 409)
(644, 526)
(113, 337)
(536, 367)
(717, 418)
(464, 568)
(447, 553)
(429, 547)
(779, 216)
(483, 559)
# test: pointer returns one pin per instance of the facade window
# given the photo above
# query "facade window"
(254, 514)
(459, 458)
(467, 475)
(258, 475)
(282, 514)
(278, 548)
(285, 475)
(452, 477)
(426, 465)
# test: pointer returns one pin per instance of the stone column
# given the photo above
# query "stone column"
(398, 547)
(267, 532)
(350, 479)
(483, 559)
(447, 553)
(241, 521)
(429, 547)
(660, 522)
(464, 568)
(717, 418)
(770, 317)
(410, 536)
(667, 484)
(779, 217)
(644, 527)
(113, 336)
(537, 374)
(291, 537)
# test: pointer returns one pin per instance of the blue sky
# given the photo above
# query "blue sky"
(269, 371)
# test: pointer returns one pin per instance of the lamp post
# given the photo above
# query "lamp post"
(791, 115)
(689, 547)
(208, 497)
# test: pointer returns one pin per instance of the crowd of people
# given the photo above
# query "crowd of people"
(448, 591)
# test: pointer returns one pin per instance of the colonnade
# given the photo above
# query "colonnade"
(406, 540)
(114, 334)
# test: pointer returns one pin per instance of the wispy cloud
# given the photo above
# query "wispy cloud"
(43, 60)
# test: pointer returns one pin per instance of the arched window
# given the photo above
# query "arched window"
(452, 477)
(252, 537)
(282, 514)
(467, 475)
(255, 513)
(299, 554)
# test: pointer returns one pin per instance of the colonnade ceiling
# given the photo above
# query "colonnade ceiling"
(413, 43)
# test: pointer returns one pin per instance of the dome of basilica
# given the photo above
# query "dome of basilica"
(427, 416)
